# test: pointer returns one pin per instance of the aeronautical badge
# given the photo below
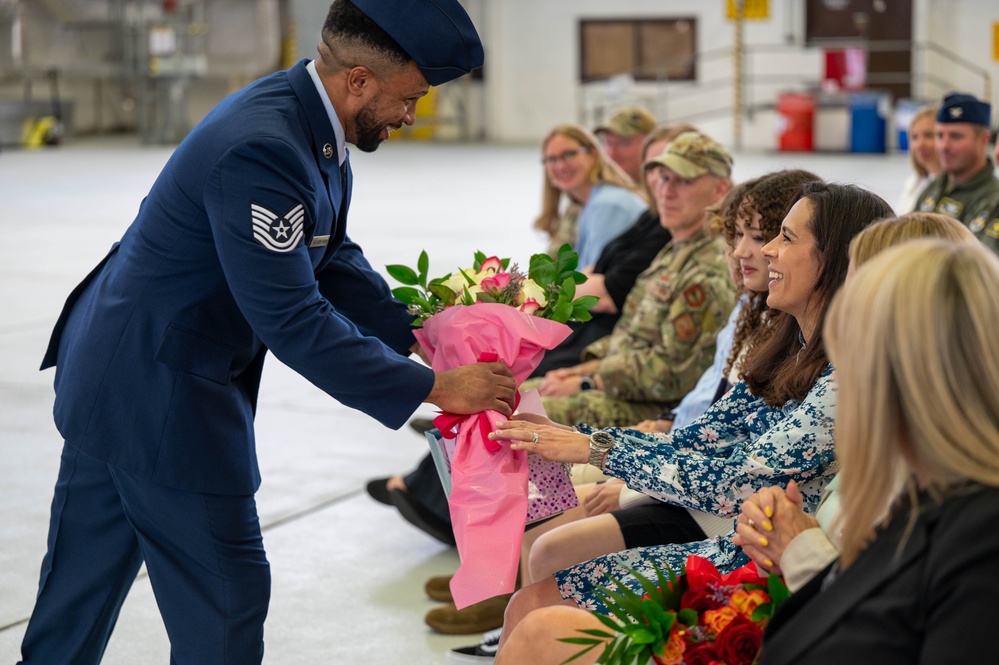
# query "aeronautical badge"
(685, 327)
(928, 204)
(694, 296)
(279, 233)
(949, 206)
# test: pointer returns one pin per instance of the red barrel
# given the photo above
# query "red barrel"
(796, 122)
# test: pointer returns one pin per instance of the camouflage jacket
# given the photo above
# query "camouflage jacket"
(985, 226)
(970, 202)
(666, 335)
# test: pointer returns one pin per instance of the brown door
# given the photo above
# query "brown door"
(883, 27)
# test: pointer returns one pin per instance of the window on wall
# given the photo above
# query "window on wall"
(647, 49)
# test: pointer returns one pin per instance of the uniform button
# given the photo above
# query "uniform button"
(327, 151)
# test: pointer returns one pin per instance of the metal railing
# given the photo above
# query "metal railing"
(711, 97)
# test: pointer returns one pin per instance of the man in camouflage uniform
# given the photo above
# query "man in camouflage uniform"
(666, 335)
(967, 189)
(623, 135)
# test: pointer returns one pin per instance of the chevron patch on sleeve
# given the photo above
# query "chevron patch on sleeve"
(279, 233)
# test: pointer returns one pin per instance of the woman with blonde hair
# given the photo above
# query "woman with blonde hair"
(617, 267)
(922, 156)
(602, 200)
(911, 226)
(912, 336)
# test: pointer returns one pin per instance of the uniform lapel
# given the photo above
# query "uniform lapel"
(339, 231)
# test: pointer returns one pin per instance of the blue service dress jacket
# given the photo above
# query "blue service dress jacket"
(931, 600)
(240, 247)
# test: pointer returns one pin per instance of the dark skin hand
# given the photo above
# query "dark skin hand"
(475, 388)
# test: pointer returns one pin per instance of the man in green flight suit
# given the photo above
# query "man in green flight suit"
(666, 335)
(967, 189)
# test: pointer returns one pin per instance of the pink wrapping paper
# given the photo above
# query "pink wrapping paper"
(488, 499)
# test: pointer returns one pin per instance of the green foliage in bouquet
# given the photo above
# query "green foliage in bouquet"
(701, 618)
(547, 290)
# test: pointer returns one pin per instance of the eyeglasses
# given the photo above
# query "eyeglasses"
(552, 160)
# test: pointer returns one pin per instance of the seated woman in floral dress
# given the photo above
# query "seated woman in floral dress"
(774, 427)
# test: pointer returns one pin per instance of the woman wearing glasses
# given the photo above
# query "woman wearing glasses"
(587, 199)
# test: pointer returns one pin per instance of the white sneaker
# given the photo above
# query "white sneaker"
(483, 652)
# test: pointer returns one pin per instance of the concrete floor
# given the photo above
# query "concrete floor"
(347, 573)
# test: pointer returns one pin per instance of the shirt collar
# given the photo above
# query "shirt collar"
(341, 148)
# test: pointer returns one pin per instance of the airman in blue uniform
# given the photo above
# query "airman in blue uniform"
(240, 248)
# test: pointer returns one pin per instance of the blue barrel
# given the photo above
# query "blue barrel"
(868, 121)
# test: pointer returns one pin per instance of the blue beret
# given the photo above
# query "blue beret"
(959, 107)
(437, 34)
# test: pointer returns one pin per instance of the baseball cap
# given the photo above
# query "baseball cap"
(437, 34)
(692, 154)
(959, 107)
(629, 121)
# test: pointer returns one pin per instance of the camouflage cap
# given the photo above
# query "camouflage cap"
(692, 154)
(629, 121)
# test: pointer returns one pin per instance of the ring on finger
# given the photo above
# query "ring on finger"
(534, 437)
(752, 523)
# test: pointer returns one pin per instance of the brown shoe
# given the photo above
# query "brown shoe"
(477, 618)
(439, 588)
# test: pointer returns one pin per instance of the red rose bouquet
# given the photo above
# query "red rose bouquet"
(700, 617)
(490, 311)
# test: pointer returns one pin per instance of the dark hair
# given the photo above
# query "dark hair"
(345, 21)
(779, 369)
(767, 195)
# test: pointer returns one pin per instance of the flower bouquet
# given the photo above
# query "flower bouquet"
(490, 311)
(700, 617)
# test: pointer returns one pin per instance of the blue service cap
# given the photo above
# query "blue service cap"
(437, 35)
(958, 107)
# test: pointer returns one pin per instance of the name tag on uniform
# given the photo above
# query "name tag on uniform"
(319, 241)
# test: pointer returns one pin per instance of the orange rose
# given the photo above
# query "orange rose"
(716, 620)
(673, 650)
(745, 602)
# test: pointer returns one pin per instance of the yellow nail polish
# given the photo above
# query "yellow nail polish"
(767, 525)
(768, 563)
(769, 511)
(763, 542)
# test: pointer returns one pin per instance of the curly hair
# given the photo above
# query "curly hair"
(767, 195)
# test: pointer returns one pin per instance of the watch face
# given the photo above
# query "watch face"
(602, 440)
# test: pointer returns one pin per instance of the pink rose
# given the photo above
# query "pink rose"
(496, 283)
(492, 265)
(530, 306)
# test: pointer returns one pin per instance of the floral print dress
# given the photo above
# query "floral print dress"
(739, 446)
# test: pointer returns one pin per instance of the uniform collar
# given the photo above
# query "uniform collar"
(341, 148)
(974, 182)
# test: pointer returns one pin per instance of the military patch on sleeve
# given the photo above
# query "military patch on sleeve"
(993, 230)
(279, 233)
(685, 327)
(694, 296)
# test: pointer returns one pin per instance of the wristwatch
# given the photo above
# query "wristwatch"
(587, 383)
(600, 444)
